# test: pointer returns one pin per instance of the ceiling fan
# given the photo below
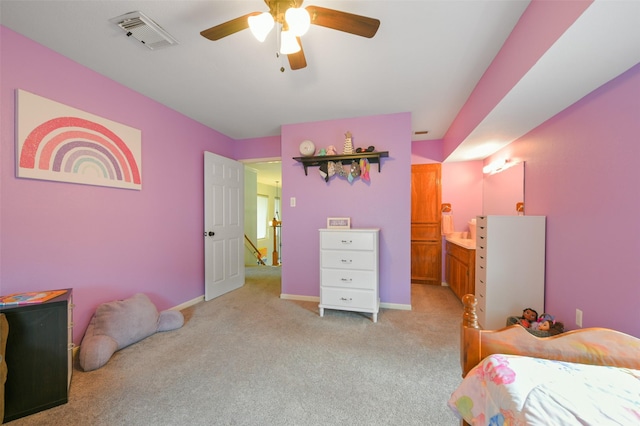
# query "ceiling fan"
(294, 21)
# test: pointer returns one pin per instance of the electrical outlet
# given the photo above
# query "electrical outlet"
(578, 317)
(292, 201)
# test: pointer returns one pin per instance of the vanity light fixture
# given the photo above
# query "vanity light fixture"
(497, 166)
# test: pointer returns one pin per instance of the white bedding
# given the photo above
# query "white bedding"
(517, 390)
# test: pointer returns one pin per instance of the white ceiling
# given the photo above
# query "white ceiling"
(426, 59)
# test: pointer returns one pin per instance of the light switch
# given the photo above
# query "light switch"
(292, 201)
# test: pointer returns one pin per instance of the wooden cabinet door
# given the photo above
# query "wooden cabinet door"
(423, 270)
(426, 241)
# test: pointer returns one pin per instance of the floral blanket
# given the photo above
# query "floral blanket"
(517, 390)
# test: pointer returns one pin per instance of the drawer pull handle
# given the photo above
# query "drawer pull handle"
(347, 261)
(346, 299)
(347, 241)
(346, 280)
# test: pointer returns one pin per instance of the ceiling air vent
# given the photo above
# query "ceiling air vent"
(144, 29)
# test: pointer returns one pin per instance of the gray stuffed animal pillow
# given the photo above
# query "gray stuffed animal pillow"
(118, 324)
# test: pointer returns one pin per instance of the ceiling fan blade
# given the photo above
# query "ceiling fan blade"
(343, 21)
(228, 28)
(297, 60)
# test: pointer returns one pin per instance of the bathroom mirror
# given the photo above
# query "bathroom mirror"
(502, 191)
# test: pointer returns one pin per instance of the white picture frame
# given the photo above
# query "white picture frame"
(338, 223)
(60, 143)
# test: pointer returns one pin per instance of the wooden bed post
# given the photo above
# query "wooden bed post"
(469, 317)
(469, 335)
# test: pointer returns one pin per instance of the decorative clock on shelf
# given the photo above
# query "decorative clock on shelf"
(307, 148)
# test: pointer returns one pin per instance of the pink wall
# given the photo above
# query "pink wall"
(538, 28)
(582, 173)
(257, 148)
(105, 243)
(426, 152)
(382, 203)
(462, 188)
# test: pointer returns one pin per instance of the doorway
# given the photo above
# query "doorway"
(263, 210)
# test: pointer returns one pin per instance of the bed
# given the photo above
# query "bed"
(589, 376)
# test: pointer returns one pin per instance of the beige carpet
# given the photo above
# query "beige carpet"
(250, 358)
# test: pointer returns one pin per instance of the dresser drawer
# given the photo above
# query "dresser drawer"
(481, 291)
(481, 308)
(348, 299)
(348, 279)
(481, 270)
(340, 240)
(481, 253)
(365, 260)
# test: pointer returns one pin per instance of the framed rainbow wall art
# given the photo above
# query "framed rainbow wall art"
(60, 143)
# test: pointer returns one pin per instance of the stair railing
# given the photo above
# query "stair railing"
(255, 251)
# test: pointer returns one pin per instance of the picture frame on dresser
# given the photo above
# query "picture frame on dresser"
(338, 223)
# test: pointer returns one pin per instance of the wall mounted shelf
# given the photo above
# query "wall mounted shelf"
(318, 160)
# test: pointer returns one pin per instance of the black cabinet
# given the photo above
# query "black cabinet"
(39, 356)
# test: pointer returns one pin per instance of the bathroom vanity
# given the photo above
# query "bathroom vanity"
(460, 264)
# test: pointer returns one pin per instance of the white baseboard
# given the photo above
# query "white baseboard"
(302, 298)
(188, 303)
(400, 306)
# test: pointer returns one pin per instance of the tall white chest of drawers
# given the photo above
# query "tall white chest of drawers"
(349, 279)
(510, 267)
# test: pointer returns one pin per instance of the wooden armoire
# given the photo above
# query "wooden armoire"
(426, 240)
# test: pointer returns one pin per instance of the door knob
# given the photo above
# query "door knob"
(209, 234)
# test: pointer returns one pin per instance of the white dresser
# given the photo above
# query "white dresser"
(349, 270)
(510, 259)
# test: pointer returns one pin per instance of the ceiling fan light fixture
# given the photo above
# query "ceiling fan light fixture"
(288, 43)
(298, 20)
(260, 25)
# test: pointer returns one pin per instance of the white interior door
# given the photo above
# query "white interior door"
(223, 225)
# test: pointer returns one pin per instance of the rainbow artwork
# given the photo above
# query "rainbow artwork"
(60, 143)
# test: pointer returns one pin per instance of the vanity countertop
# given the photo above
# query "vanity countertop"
(462, 242)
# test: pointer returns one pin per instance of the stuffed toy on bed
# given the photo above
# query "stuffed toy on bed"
(544, 326)
(116, 325)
